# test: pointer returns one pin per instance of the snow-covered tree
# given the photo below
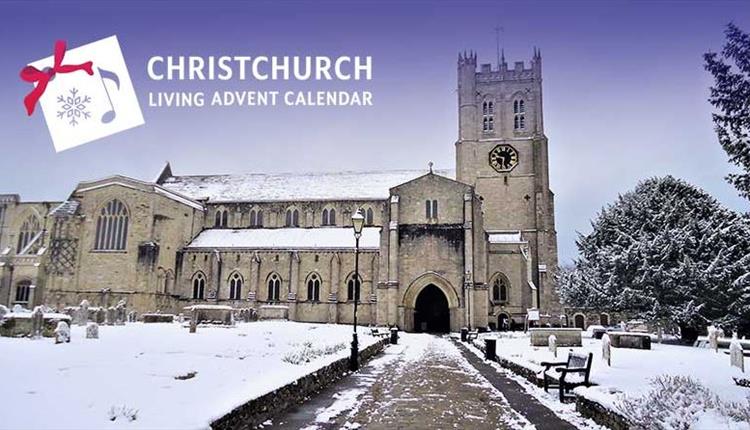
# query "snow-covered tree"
(667, 252)
(730, 95)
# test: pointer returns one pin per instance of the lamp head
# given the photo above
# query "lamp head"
(358, 221)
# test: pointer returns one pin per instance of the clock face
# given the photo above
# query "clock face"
(503, 158)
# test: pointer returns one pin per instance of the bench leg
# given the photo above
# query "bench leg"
(546, 383)
(562, 392)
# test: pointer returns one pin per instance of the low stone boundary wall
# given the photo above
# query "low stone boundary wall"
(586, 407)
(565, 336)
(601, 415)
(256, 411)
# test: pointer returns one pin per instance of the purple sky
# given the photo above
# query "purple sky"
(625, 91)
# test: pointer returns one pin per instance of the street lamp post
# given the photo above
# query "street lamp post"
(358, 221)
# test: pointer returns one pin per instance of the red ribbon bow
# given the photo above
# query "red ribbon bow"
(32, 74)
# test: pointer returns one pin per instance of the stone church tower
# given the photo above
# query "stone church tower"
(502, 151)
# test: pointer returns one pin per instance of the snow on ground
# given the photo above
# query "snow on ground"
(135, 368)
(631, 369)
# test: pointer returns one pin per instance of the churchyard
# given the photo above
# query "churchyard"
(158, 375)
(666, 386)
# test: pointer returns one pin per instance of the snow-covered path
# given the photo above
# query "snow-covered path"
(424, 382)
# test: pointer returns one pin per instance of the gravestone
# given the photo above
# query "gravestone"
(37, 322)
(3, 310)
(713, 338)
(83, 313)
(110, 316)
(101, 315)
(193, 320)
(62, 332)
(18, 309)
(606, 349)
(120, 313)
(132, 316)
(553, 344)
(736, 356)
(92, 331)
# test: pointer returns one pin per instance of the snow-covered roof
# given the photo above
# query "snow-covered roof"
(505, 237)
(66, 208)
(287, 238)
(293, 186)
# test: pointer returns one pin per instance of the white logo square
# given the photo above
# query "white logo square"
(80, 108)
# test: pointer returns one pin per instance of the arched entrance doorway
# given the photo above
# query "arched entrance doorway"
(503, 322)
(579, 321)
(431, 312)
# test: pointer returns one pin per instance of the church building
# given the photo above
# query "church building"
(474, 246)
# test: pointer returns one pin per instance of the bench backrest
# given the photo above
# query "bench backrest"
(580, 361)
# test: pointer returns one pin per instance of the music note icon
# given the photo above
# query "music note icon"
(110, 115)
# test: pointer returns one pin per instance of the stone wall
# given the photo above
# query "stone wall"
(256, 411)
(565, 336)
(601, 415)
(586, 407)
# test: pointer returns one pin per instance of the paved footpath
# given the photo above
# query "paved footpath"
(425, 382)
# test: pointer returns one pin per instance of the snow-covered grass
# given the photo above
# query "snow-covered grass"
(158, 375)
(632, 370)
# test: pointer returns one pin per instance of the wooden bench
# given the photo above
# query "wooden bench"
(569, 374)
(472, 335)
(377, 332)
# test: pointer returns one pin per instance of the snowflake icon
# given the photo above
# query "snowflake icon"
(73, 107)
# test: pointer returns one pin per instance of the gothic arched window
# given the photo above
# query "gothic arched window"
(199, 286)
(500, 289)
(352, 285)
(112, 227)
(29, 229)
(256, 218)
(292, 218)
(313, 288)
(488, 116)
(329, 217)
(274, 287)
(369, 219)
(235, 286)
(23, 289)
(222, 218)
(519, 114)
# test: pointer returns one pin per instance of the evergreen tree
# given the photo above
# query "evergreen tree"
(730, 95)
(667, 252)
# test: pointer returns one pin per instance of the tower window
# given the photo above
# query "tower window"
(431, 209)
(369, 217)
(519, 115)
(500, 289)
(488, 116)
